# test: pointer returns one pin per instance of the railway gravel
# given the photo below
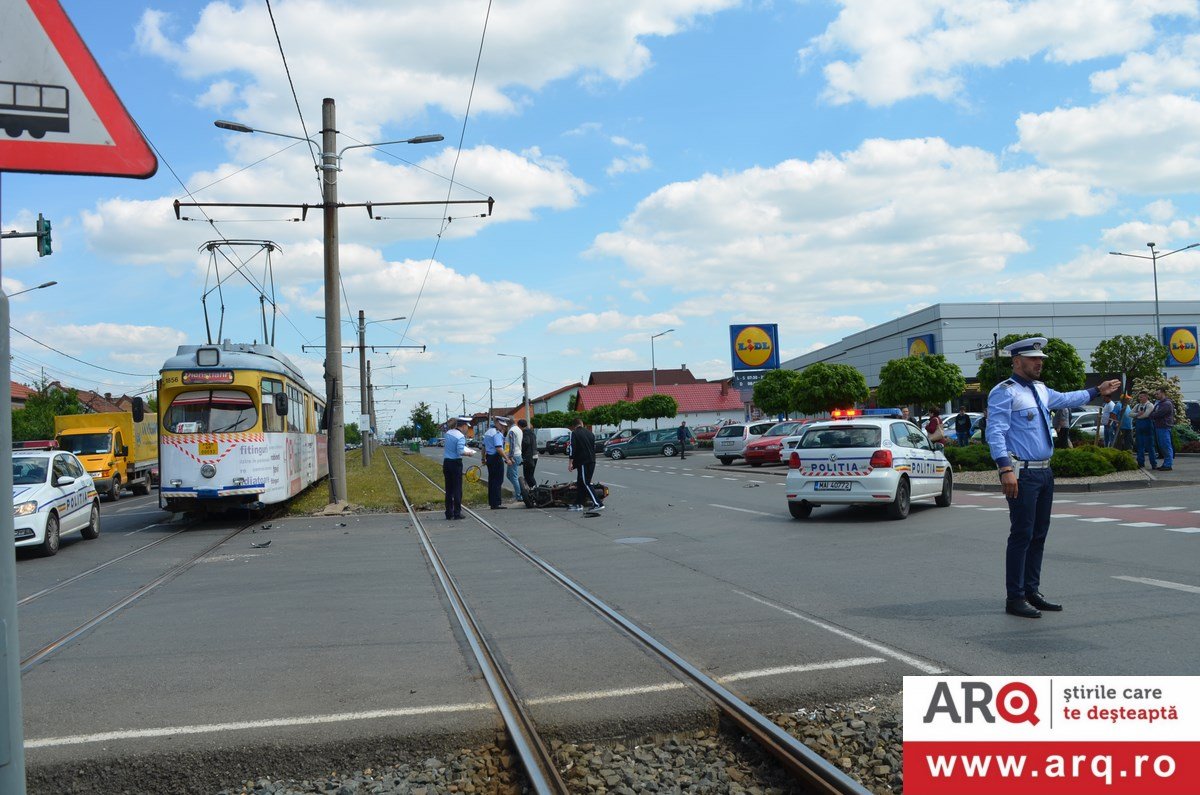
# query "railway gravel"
(861, 737)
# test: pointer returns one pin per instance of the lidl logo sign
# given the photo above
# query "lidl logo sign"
(1181, 346)
(755, 347)
(922, 345)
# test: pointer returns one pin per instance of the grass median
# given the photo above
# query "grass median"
(374, 489)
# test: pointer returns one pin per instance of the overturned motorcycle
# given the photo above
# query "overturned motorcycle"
(559, 494)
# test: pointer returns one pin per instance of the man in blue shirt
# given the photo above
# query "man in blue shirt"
(452, 467)
(493, 450)
(1018, 433)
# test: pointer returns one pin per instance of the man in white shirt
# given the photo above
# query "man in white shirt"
(513, 440)
(1106, 417)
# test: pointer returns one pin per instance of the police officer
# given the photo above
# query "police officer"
(1018, 432)
(452, 466)
(493, 449)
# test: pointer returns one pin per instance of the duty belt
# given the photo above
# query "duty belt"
(1019, 464)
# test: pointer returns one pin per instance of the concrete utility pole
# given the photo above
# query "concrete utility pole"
(333, 318)
(364, 387)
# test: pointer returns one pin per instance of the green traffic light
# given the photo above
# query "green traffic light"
(44, 243)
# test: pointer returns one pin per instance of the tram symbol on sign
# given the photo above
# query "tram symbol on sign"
(33, 108)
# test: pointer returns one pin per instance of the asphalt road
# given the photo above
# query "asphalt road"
(336, 633)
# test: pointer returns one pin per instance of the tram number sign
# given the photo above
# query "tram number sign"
(208, 448)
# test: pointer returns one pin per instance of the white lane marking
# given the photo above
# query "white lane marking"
(147, 527)
(1099, 519)
(1176, 586)
(710, 477)
(1168, 508)
(993, 509)
(688, 475)
(920, 665)
(1064, 516)
(1184, 529)
(1130, 505)
(978, 494)
(618, 485)
(728, 478)
(742, 510)
(961, 505)
(1142, 524)
(996, 496)
(441, 709)
(1193, 511)
(1093, 503)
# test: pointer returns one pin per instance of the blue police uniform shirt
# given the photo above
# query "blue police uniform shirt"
(455, 444)
(493, 442)
(1018, 426)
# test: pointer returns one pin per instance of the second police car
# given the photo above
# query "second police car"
(52, 496)
(865, 460)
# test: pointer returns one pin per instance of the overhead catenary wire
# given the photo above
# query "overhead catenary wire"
(292, 85)
(77, 359)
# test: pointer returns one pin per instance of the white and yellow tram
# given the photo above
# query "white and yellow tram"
(239, 428)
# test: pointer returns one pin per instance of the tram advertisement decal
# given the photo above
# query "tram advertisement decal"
(1051, 735)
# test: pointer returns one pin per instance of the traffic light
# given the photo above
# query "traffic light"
(43, 237)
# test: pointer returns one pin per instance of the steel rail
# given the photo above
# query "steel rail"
(804, 763)
(535, 756)
(95, 569)
(46, 651)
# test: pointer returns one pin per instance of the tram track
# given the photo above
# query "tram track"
(802, 764)
(31, 660)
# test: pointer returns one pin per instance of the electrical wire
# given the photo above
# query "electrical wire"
(81, 361)
(391, 154)
(292, 85)
(252, 165)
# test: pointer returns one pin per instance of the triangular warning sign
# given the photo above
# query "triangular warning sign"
(58, 113)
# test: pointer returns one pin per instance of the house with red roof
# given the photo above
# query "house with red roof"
(20, 393)
(700, 402)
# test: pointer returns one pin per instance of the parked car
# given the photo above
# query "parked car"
(543, 436)
(766, 449)
(52, 496)
(620, 436)
(866, 461)
(602, 440)
(730, 442)
(664, 441)
(558, 444)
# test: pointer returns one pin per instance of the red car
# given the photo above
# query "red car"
(765, 449)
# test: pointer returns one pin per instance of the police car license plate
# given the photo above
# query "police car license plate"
(208, 448)
(833, 485)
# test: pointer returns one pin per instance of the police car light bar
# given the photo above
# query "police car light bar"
(41, 444)
(837, 414)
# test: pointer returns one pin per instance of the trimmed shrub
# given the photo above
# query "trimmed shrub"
(1186, 433)
(972, 458)
(1190, 447)
(1122, 460)
(1081, 462)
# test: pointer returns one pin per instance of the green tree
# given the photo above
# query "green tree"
(776, 392)
(407, 432)
(825, 387)
(1063, 370)
(919, 380)
(1174, 392)
(353, 434)
(554, 419)
(627, 411)
(657, 407)
(601, 415)
(422, 420)
(36, 420)
(1133, 357)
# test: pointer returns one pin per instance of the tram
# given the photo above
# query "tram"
(240, 427)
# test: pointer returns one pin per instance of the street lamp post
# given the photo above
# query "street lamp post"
(524, 383)
(1154, 258)
(491, 397)
(42, 286)
(654, 367)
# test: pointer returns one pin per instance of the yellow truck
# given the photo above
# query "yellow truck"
(118, 449)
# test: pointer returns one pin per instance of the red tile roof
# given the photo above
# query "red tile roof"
(20, 392)
(681, 376)
(558, 391)
(692, 398)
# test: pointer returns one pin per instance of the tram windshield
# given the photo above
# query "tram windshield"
(211, 411)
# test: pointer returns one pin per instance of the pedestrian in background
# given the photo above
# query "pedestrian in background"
(452, 466)
(1062, 428)
(493, 450)
(683, 434)
(1163, 416)
(1143, 427)
(1108, 422)
(935, 427)
(1018, 434)
(981, 424)
(513, 440)
(529, 453)
(583, 461)
(1124, 414)
(962, 426)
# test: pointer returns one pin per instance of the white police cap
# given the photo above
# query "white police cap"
(462, 420)
(1030, 347)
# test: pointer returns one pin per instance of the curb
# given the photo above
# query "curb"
(1118, 485)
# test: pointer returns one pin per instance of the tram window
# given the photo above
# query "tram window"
(272, 422)
(211, 411)
(295, 409)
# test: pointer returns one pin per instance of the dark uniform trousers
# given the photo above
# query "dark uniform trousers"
(529, 464)
(1029, 516)
(452, 469)
(583, 484)
(495, 465)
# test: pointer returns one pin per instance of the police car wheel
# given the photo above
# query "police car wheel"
(898, 508)
(944, 499)
(92, 528)
(50, 541)
(800, 510)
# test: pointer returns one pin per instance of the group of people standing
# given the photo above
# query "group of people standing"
(1143, 426)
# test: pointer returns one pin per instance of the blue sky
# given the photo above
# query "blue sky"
(679, 164)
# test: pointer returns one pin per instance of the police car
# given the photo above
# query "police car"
(52, 496)
(864, 460)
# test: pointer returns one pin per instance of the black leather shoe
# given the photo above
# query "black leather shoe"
(1019, 607)
(1164, 469)
(1039, 601)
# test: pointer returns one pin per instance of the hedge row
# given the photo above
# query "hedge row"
(1078, 462)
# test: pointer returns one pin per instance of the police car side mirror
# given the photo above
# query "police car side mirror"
(939, 446)
(64, 481)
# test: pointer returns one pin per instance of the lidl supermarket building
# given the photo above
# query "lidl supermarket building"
(957, 330)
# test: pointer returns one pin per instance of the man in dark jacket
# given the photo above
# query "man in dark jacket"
(683, 435)
(1163, 416)
(583, 461)
(529, 453)
(962, 426)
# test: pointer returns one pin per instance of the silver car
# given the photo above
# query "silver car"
(730, 442)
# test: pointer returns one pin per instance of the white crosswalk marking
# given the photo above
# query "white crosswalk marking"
(1130, 505)
(1142, 524)
(1099, 519)
(1168, 508)
(1093, 503)
(1064, 516)
(1160, 583)
(1184, 529)
(960, 505)
(993, 509)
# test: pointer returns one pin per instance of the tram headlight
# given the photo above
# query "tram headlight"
(208, 471)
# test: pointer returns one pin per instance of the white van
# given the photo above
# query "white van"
(546, 434)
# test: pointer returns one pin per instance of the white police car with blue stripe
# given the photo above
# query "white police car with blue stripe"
(52, 495)
(859, 460)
